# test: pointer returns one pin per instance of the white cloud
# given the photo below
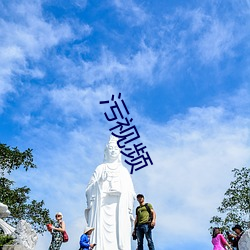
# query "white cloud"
(131, 12)
(105, 69)
(31, 33)
(10, 58)
(198, 19)
(25, 35)
(193, 157)
(83, 102)
(240, 101)
(139, 66)
(143, 63)
(80, 3)
(217, 42)
(201, 34)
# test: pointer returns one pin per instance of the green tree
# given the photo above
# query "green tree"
(235, 207)
(17, 199)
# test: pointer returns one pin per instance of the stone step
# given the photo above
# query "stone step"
(12, 247)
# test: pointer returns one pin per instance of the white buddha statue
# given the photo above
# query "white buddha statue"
(110, 197)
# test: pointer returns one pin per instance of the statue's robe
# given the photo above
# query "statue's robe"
(110, 198)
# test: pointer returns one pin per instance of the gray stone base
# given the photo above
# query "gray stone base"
(13, 247)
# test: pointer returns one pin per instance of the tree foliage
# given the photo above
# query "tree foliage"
(12, 159)
(6, 240)
(17, 199)
(235, 207)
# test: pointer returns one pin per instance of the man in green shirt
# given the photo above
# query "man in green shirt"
(144, 223)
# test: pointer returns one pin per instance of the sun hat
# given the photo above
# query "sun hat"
(59, 213)
(87, 229)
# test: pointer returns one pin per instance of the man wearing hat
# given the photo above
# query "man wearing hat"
(239, 231)
(84, 240)
(144, 223)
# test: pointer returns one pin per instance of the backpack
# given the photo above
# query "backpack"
(149, 212)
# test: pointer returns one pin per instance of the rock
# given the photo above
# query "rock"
(244, 242)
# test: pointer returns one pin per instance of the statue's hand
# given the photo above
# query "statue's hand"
(132, 217)
(89, 205)
(90, 201)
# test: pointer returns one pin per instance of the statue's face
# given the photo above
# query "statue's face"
(113, 151)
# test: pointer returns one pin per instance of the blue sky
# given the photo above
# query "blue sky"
(182, 68)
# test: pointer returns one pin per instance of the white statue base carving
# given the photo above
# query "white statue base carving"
(24, 236)
(7, 229)
(14, 247)
(4, 212)
(244, 242)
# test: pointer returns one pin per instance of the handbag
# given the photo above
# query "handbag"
(65, 236)
(49, 227)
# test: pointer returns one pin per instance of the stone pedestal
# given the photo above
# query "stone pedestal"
(244, 242)
(13, 247)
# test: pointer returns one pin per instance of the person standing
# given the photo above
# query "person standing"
(85, 239)
(239, 231)
(218, 240)
(56, 231)
(143, 225)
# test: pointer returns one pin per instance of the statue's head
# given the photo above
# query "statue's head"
(112, 152)
(4, 211)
